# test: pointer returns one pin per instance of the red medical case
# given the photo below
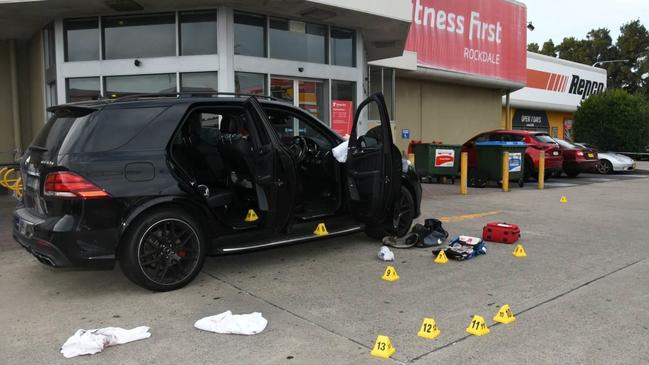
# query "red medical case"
(501, 232)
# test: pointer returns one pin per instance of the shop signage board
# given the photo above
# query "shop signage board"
(479, 37)
(556, 84)
(342, 116)
(530, 120)
(444, 158)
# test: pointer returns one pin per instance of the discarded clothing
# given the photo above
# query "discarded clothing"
(428, 234)
(463, 248)
(228, 323)
(88, 342)
(340, 152)
(385, 254)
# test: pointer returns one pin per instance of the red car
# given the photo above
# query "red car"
(536, 142)
(577, 159)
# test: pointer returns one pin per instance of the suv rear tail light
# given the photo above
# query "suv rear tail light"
(70, 185)
(580, 154)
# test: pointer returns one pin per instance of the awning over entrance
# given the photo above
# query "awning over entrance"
(384, 24)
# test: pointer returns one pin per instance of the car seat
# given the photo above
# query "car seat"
(206, 163)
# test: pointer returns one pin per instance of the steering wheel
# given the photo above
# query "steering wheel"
(297, 148)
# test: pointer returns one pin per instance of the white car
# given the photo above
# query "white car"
(610, 162)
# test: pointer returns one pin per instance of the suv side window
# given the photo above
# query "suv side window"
(288, 125)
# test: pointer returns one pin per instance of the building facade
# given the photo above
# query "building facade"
(311, 53)
(443, 65)
(555, 89)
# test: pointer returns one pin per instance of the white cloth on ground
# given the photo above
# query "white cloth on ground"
(385, 254)
(228, 323)
(88, 342)
(340, 152)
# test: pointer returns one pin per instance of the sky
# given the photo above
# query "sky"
(557, 19)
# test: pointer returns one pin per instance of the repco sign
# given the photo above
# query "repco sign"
(558, 82)
(585, 88)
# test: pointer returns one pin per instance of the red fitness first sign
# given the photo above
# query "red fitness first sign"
(478, 37)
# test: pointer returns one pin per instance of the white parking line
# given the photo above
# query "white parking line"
(636, 176)
(559, 185)
(598, 179)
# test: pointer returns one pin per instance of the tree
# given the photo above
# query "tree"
(613, 120)
(573, 49)
(533, 47)
(633, 45)
(549, 49)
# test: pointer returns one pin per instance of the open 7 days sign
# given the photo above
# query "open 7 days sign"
(479, 37)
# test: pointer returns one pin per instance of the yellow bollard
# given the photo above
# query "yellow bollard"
(464, 165)
(542, 170)
(505, 171)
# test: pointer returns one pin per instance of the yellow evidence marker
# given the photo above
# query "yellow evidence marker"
(321, 230)
(251, 216)
(478, 326)
(390, 274)
(429, 329)
(563, 199)
(383, 347)
(505, 315)
(441, 258)
(519, 251)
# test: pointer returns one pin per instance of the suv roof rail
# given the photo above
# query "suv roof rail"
(191, 94)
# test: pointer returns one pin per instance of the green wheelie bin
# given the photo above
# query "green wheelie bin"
(437, 160)
(490, 157)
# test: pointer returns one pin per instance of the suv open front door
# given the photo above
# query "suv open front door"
(373, 166)
(274, 172)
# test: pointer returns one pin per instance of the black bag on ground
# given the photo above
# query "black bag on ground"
(429, 234)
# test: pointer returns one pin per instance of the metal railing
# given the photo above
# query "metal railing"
(10, 179)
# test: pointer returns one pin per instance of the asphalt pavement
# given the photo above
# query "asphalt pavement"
(580, 296)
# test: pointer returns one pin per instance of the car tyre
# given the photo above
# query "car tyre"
(163, 250)
(605, 167)
(572, 173)
(399, 222)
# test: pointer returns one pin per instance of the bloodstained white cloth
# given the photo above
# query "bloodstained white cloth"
(88, 342)
(228, 323)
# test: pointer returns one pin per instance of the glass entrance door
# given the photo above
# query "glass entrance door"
(307, 94)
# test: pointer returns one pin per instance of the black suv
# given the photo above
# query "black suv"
(157, 182)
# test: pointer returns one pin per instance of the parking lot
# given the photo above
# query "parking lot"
(580, 296)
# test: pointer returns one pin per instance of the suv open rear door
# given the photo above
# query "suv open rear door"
(274, 173)
(373, 166)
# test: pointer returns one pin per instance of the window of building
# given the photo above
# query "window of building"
(117, 86)
(197, 32)
(298, 41)
(382, 80)
(250, 83)
(133, 36)
(199, 81)
(312, 98)
(343, 47)
(82, 88)
(81, 39)
(249, 34)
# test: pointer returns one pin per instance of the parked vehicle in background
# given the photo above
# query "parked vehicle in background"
(610, 162)
(536, 142)
(577, 159)
(157, 182)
